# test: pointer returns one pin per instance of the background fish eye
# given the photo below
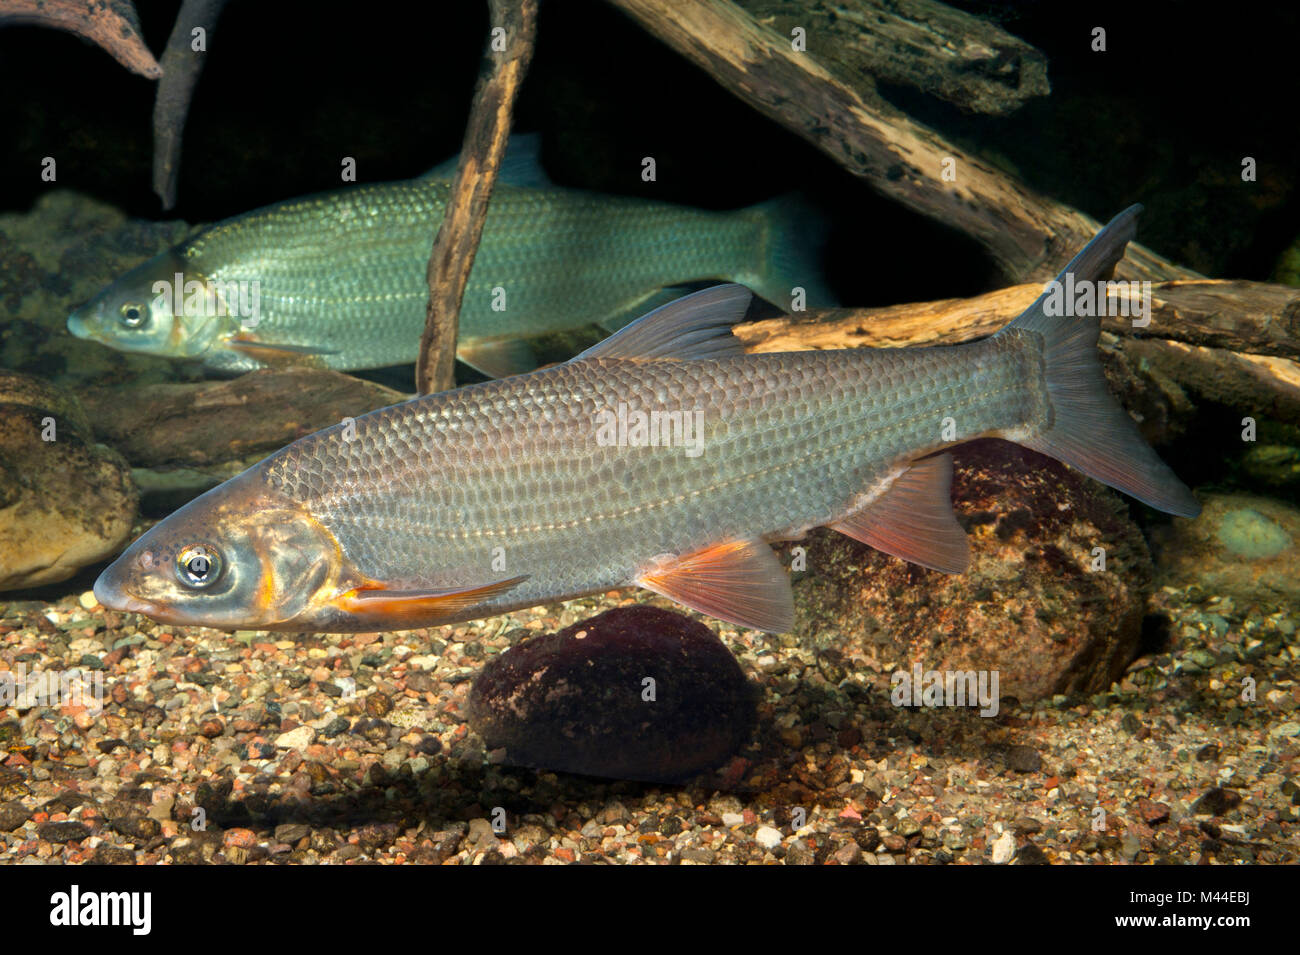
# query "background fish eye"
(198, 565)
(133, 315)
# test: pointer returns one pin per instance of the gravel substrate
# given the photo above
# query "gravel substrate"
(343, 748)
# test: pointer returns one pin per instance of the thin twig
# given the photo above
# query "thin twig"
(182, 65)
(462, 225)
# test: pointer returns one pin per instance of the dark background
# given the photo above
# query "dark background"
(1164, 117)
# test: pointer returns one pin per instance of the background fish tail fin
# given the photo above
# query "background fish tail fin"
(1090, 430)
(792, 239)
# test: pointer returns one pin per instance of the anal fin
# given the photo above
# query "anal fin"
(913, 519)
(740, 581)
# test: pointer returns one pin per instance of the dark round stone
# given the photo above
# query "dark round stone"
(581, 700)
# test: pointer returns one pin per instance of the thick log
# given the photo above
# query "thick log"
(930, 46)
(1026, 233)
(1259, 386)
(113, 27)
(1250, 317)
(480, 158)
(218, 421)
(182, 66)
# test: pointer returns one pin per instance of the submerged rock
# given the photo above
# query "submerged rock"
(633, 693)
(1031, 606)
(65, 502)
(1242, 546)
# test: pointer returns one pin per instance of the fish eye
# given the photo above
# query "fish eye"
(133, 315)
(198, 565)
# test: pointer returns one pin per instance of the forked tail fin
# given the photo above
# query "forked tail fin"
(1090, 431)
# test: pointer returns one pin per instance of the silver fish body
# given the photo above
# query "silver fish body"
(338, 279)
(789, 442)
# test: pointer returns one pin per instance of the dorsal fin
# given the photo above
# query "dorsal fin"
(694, 326)
(520, 166)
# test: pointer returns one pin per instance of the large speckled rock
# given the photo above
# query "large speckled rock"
(64, 503)
(1241, 546)
(1030, 606)
(575, 701)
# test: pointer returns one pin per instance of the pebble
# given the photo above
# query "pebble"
(63, 831)
(1004, 848)
(1216, 802)
(767, 837)
(1032, 855)
(1153, 813)
(298, 738)
(87, 600)
(13, 815)
(1024, 759)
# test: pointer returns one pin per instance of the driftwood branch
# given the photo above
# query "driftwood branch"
(1258, 385)
(1026, 233)
(182, 66)
(1252, 317)
(217, 421)
(480, 158)
(924, 44)
(113, 27)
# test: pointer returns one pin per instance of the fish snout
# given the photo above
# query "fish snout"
(111, 592)
(79, 324)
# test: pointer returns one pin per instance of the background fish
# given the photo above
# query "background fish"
(340, 276)
(502, 495)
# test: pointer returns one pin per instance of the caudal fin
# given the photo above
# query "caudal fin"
(792, 238)
(1090, 431)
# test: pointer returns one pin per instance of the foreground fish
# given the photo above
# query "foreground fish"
(544, 487)
(338, 279)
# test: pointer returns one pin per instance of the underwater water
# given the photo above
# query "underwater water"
(1028, 598)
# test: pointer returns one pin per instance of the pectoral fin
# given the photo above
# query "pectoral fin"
(374, 601)
(499, 358)
(740, 581)
(914, 520)
(271, 352)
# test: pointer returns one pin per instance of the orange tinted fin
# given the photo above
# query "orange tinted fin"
(374, 601)
(914, 520)
(740, 581)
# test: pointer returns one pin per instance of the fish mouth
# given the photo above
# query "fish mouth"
(80, 328)
(108, 591)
